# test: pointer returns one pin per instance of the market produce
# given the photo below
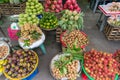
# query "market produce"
(114, 21)
(49, 21)
(100, 65)
(27, 18)
(72, 5)
(53, 5)
(20, 64)
(29, 34)
(67, 65)
(71, 20)
(114, 7)
(33, 7)
(75, 36)
(3, 51)
(1, 65)
(116, 56)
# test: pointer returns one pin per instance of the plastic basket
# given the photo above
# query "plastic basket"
(91, 78)
(63, 43)
(32, 75)
(12, 34)
(27, 76)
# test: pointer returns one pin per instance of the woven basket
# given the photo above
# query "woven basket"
(63, 43)
(79, 72)
(7, 76)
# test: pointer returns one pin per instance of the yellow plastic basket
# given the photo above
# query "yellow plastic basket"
(7, 76)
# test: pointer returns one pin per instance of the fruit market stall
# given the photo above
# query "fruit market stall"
(74, 60)
(108, 10)
(112, 29)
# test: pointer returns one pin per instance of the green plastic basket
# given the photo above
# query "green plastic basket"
(91, 78)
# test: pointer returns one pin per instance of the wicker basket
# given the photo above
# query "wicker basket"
(79, 72)
(7, 76)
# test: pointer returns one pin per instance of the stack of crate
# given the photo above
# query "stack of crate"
(112, 32)
(58, 33)
(10, 9)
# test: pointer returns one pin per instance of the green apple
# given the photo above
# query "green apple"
(32, 7)
(33, 16)
(32, 4)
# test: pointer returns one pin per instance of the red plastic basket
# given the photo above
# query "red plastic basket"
(12, 33)
(63, 43)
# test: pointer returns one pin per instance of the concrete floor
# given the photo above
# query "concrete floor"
(96, 38)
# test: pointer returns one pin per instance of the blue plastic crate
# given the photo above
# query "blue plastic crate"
(32, 75)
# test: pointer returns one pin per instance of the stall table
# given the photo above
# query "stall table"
(105, 13)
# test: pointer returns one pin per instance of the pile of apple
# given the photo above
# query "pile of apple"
(34, 7)
(53, 5)
(72, 5)
(27, 18)
(100, 65)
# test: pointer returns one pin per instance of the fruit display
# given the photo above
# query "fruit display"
(67, 65)
(114, 21)
(100, 65)
(68, 39)
(29, 34)
(49, 21)
(72, 5)
(71, 20)
(20, 64)
(53, 6)
(114, 7)
(33, 7)
(116, 56)
(4, 50)
(26, 18)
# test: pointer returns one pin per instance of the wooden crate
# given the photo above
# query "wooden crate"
(9, 9)
(112, 32)
(58, 32)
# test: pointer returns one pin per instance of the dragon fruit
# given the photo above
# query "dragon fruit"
(53, 6)
(72, 5)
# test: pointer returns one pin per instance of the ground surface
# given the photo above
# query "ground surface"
(96, 38)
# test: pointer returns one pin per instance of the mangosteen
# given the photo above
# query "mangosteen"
(20, 70)
(12, 69)
(13, 75)
(23, 74)
(13, 65)
(19, 52)
(10, 61)
(21, 57)
(8, 66)
(10, 72)
(29, 53)
(6, 70)
(24, 70)
(15, 55)
(30, 69)
(16, 67)
(21, 60)
(19, 75)
(25, 55)
(34, 61)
